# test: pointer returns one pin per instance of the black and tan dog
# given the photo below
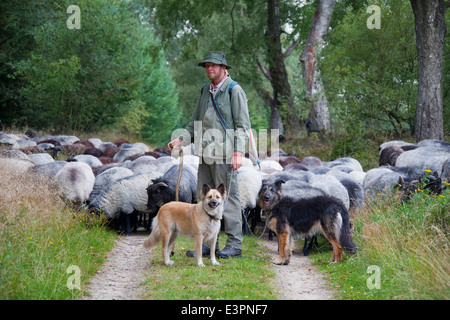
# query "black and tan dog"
(288, 217)
(200, 221)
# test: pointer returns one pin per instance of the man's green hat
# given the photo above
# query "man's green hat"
(216, 57)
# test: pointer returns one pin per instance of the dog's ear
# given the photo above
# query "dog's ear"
(221, 189)
(279, 182)
(205, 189)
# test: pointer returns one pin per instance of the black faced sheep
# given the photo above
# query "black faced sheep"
(389, 155)
(249, 182)
(162, 189)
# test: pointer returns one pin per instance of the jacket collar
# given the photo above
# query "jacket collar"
(224, 84)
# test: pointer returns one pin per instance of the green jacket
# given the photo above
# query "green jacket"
(205, 130)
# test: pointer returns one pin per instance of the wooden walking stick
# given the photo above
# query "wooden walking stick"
(180, 171)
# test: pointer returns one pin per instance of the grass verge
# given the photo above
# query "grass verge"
(246, 278)
(404, 251)
(35, 257)
(40, 238)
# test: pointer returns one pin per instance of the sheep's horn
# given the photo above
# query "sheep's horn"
(157, 185)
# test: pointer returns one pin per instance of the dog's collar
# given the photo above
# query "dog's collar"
(212, 217)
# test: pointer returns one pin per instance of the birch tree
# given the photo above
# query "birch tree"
(319, 113)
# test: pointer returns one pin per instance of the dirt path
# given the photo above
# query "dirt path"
(299, 280)
(122, 273)
(121, 276)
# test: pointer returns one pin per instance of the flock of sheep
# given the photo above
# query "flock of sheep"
(124, 181)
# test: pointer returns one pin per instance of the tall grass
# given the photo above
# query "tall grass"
(408, 243)
(40, 237)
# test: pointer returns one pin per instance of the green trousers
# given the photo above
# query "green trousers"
(213, 175)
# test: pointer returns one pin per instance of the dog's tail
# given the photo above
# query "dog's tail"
(155, 237)
(345, 235)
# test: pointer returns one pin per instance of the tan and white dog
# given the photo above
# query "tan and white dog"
(200, 221)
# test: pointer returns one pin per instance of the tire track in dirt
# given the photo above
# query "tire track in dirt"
(121, 276)
(300, 279)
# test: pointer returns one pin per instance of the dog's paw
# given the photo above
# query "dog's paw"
(201, 264)
(279, 261)
(215, 263)
(169, 263)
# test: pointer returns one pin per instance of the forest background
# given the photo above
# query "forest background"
(132, 65)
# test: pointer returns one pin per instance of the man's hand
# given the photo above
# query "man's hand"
(236, 160)
(174, 144)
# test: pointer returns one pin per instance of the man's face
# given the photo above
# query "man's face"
(214, 71)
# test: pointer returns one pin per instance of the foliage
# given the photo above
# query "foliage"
(17, 22)
(61, 69)
(110, 71)
(370, 74)
(191, 29)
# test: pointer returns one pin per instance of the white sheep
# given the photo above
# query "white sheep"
(107, 177)
(331, 186)
(25, 143)
(355, 191)
(96, 142)
(90, 160)
(424, 158)
(327, 183)
(358, 176)
(126, 153)
(249, 182)
(106, 145)
(76, 181)
(124, 197)
(270, 166)
(397, 143)
(50, 169)
(143, 164)
(9, 140)
(348, 162)
(380, 180)
(63, 140)
(297, 189)
(440, 146)
(20, 163)
(40, 158)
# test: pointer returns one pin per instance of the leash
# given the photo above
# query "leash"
(251, 232)
(232, 174)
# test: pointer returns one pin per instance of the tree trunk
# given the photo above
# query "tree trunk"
(319, 113)
(430, 33)
(278, 75)
(275, 119)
